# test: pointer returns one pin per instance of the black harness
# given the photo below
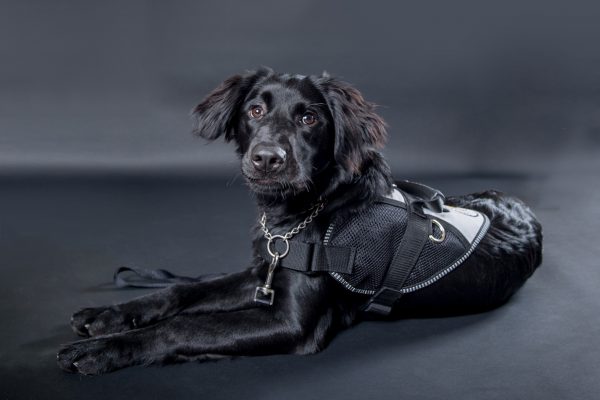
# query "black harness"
(401, 243)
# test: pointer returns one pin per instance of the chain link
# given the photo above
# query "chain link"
(265, 294)
(316, 210)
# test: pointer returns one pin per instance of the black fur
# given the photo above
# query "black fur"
(336, 158)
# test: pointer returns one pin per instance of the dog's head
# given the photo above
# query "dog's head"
(293, 133)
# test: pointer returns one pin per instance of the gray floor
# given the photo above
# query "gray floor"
(98, 169)
(61, 238)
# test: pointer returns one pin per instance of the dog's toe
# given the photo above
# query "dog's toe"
(99, 321)
(80, 321)
(87, 357)
(66, 359)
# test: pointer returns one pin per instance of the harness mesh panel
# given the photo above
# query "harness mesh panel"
(434, 257)
(375, 233)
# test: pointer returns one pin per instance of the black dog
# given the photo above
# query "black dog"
(309, 152)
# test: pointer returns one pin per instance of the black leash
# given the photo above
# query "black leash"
(154, 278)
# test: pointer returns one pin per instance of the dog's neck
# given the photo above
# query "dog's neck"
(343, 193)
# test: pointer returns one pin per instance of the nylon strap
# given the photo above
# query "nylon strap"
(423, 195)
(306, 257)
(154, 278)
(404, 260)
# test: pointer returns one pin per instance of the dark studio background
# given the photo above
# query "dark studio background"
(98, 168)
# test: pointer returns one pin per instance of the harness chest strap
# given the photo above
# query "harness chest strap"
(405, 259)
(313, 257)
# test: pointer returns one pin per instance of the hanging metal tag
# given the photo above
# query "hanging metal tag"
(264, 294)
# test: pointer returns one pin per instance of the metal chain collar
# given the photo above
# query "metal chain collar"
(265, 294)
(316, 209)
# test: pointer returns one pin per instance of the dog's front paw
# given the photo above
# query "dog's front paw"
(91, 357)
(100, 321)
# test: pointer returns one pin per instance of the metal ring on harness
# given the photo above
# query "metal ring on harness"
(442, 230)
(275, 253)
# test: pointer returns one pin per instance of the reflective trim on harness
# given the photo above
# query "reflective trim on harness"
(421, 285)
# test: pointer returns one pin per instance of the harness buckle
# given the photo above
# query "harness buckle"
(382, 302)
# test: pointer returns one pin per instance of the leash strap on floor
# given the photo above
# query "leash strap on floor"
(153, 278)
(404, 260)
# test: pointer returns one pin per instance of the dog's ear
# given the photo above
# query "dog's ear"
(217, 114)
(358, 129)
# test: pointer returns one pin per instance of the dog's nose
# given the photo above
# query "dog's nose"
(268, 158)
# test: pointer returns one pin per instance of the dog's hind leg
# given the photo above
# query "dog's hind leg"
(226, 293)
(190, 336)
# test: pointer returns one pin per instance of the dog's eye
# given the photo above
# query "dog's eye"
(256, 112)
(309, 118)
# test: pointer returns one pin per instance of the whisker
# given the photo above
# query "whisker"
(233, 179)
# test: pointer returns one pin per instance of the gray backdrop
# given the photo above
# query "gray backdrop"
(98, 169)
(108, 85)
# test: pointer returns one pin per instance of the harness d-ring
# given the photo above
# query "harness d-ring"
(442, 231)
(276, 253)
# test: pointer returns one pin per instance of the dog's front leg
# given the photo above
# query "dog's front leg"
(185, 337)
(227, 293)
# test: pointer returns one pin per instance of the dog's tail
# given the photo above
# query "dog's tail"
(515, 233)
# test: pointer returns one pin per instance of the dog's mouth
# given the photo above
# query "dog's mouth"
(264, 183)
(271, 186)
